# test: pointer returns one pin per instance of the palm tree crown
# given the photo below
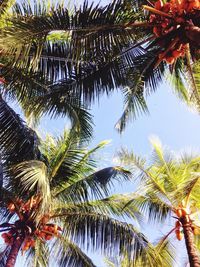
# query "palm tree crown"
(54, 206)
(170, 189)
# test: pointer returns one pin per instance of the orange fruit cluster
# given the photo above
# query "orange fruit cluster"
(173, 53)
(175, 11)
(178, 232)
(28, 243)
(181, 211)
(8, 238)
(24, 206)
(45, 231)
(48, 231)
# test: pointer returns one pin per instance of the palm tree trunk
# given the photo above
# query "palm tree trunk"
(189, 242)
(12, 257)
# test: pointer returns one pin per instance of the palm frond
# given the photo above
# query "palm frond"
(134, 103)
(97, 231)
(4, 253)
(155, 210)
(177, 79)
(66, 157)
(60, 103)
(164, 255)
(18, 142)
(32, 178)
(1, 174)
(115, 205)
(69, 254)
(96, 185)
(194, 82)
(39, 255)
(104, 25)
(4, 7)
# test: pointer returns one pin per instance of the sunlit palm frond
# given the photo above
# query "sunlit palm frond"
(5, 5)
(32, 178)
(178, 80)
(164, 255)
(67, 157)
(193, 79)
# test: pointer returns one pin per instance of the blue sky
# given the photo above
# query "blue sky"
(170, 119)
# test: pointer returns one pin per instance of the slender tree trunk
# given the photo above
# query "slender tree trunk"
(189, 242)
(12, 257)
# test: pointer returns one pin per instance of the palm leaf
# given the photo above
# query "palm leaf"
(32, 177)
(18, 142)
(95, 185)
(69, 254)
(155, 210)
(109, 22)
(4, 253)
(38, 256)
(134, 103)
(109, 206)
(98, 231)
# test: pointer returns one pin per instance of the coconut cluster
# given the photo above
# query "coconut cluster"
(168, 17)
(183, 212)
(26, 228)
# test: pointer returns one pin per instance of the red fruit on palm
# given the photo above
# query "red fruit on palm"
(170, 60)
(11, 207)
(158, 5)
(42, 234)
(32, 244)
(193, 5)
(48, 237)
(178, 224)
(152, 18)
(46, 228)
(166, 8)
(179, 235)
(157, 31)
(4, 235)
(176, 53)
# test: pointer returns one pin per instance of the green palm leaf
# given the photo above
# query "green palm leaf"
(69, 254)
(18, 142)
(113, 237)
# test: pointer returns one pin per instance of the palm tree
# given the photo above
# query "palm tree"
(169, 189)
(117, 43)
(56, 204)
